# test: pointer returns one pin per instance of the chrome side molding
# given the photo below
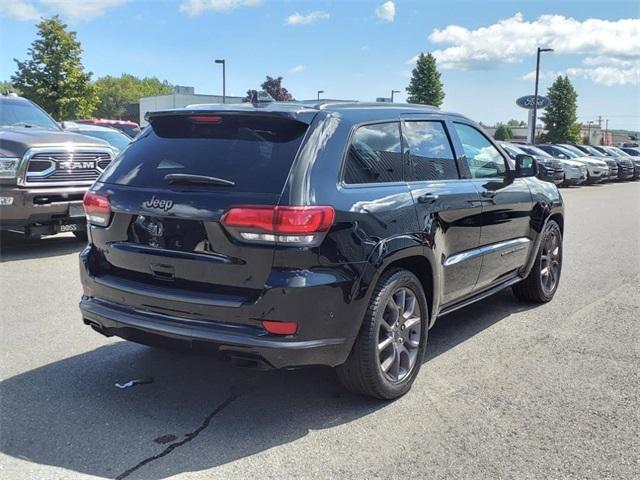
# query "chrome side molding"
(509, 247)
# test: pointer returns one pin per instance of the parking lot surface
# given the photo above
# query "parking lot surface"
(508, 390)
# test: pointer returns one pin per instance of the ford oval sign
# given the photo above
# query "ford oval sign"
(528, 100)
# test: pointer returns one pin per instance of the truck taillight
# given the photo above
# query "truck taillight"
(302, 226)
(97, 208)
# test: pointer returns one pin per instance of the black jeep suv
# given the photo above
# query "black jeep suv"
(284, 235)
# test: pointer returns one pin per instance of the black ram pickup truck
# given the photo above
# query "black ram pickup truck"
(44, 171)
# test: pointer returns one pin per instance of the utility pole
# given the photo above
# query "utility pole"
(535, 100)
(606, 132)
(319, 92)
(392, 93)
(600, 121)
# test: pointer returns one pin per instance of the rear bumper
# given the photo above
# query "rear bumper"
(230, 326)
(41, 206)
(224, 340)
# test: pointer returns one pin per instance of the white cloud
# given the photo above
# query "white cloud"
(196, 7)
(386, 11)
(82, 9)
(298, 19)
(514, 39)
(296, 69)
(18, 10)
(600, 70)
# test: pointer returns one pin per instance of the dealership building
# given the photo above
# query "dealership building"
(181, 97)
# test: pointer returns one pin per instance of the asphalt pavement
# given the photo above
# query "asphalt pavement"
(508, 390)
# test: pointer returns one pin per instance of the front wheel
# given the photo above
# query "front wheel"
(543, 279)
(388, 352)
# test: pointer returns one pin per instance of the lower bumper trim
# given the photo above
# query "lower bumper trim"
(155, 329)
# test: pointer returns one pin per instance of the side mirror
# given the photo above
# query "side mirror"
(562, 155)
(526, 166)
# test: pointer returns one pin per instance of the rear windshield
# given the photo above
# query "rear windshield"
(255, 152)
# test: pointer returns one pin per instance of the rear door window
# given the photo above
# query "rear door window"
(375, 154)
(255, 152)
(429, 150)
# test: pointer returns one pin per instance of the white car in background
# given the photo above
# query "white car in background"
(575, 173)
(597, 170)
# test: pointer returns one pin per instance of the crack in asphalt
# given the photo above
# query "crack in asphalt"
(188, 437)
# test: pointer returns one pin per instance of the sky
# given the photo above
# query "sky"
(358, 49)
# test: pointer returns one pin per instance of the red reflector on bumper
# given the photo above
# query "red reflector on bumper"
(280, 328)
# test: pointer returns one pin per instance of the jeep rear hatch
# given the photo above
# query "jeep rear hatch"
(164, 198)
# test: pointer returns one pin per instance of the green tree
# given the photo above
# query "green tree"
(115, 92)
(515, 123)
(8, 87)
(560, 116)
(54, 76)
(425, 86)
(503, 132)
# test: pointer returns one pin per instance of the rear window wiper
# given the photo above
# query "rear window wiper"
(189, 179)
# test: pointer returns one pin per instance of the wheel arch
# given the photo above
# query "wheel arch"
(421, 267)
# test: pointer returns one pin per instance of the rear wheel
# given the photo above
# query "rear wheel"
(542, 282)
(388, 352)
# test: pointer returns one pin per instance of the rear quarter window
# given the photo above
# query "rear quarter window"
(374, 155)
(254, 152)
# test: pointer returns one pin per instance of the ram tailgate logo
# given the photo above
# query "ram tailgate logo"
(154, 202)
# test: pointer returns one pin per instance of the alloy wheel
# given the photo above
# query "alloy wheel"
(550, 262)
(399, 335)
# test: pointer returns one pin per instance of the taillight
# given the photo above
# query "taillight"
(280, 328)
(97, 208)
(287, 225)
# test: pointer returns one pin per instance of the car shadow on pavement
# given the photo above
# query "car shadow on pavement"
(15, 246)
(198, 412)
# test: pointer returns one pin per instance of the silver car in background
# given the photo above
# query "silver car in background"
(597, 170)
(575, 173)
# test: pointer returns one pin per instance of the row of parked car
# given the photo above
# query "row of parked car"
(568, 164)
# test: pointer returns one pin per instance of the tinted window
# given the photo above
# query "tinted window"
(114, 138)
(430, 151)
(21, 113)
(255, 152)
(512, 151)
(533, 150)
(375, 154)
(483, 158)
(130, 130)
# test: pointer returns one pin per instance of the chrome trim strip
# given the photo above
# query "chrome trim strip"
(516, 244)
(21, 174)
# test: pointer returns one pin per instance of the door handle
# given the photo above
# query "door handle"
(488, 193)
(428, 198)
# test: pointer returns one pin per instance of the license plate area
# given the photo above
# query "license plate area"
(169, 233)
(69, 227)
(76, 210)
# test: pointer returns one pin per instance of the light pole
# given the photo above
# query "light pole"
(535, 100)
(319, 92)
(589, 123)
(224, 79)
(392, 93)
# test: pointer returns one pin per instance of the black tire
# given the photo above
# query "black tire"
(362, 373)
(81, 235)
(537, 286)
